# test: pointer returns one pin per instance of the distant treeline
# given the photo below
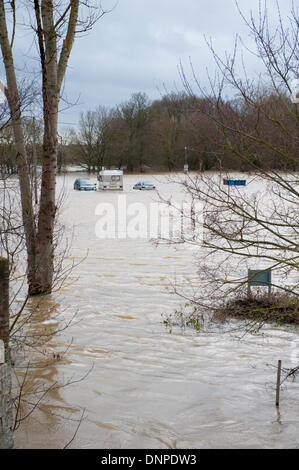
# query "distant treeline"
(207, 133)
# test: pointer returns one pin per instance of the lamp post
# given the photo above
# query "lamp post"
(186, 161)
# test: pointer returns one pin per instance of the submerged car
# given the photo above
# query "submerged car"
(85, 184)
(144, 185)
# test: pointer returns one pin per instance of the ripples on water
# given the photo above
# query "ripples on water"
(147, 388)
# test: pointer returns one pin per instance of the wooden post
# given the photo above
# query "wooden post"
(4, 300)
(278, 383)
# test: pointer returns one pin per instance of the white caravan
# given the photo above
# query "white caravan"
(111, 179)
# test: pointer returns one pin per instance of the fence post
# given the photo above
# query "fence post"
(278, 384)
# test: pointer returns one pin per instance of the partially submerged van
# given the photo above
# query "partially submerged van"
(111, 179)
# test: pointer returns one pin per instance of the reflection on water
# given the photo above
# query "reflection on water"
(144, 387)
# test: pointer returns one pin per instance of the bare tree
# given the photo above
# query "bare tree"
(55, 26)
(135, 114)
(256, 226)
(67, 142)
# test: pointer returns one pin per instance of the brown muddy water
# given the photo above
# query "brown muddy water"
(140, 385)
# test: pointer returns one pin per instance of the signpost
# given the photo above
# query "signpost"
(259, 277)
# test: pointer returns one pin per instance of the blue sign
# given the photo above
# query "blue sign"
(259, 277)
(234, 182)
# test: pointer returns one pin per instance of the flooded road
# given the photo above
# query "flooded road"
(139, 385)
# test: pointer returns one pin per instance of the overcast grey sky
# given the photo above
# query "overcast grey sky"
(139, 45)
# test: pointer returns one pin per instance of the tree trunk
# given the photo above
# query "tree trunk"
(46, 217)
(52, 73)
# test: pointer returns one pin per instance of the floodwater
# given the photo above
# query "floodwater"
(120, 372)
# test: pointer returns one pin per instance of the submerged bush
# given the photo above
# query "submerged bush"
(278, 308)
(255, 310)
